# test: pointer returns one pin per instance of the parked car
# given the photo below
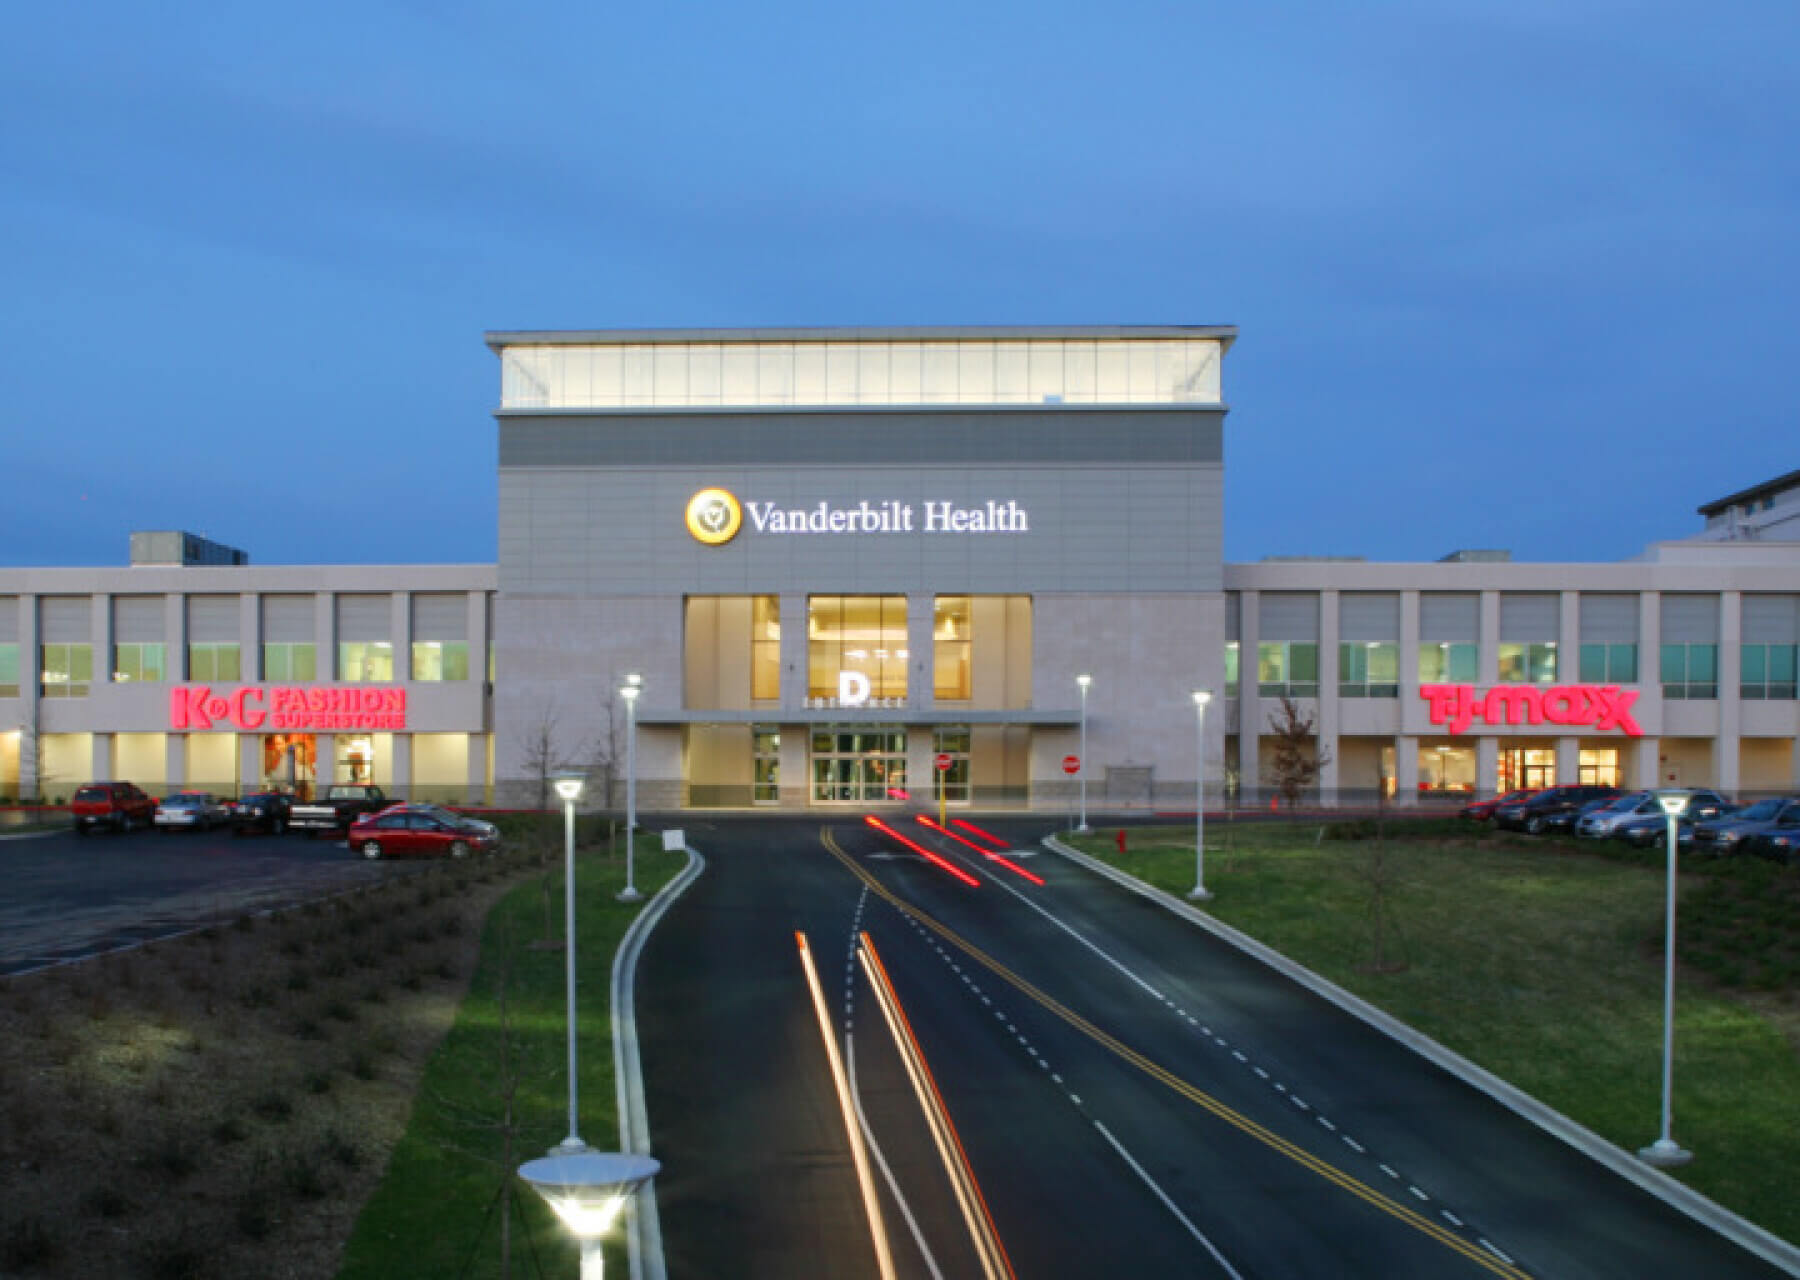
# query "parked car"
(1533, 814)
(1780, 843)
(1728, 835)
(1562, 822)
(1483, 810)
(111, 806)
(1637, 807)
(261, 811)
(421, 831)
(344, 803)
(194, 810)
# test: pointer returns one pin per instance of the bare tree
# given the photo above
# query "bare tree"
(607, 751)
(1380, 875)
(540, 753)
(1297, 756)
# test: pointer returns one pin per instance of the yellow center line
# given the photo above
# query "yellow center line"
(1299, 1155)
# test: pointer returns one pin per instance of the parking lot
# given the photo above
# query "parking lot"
(63, 896)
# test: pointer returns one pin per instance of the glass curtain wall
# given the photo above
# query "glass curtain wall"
(857, 635)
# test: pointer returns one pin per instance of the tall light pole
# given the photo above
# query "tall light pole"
(633, 687)
(1664, 1153)
(1199, 892)
(1082, 682)
(568, 786)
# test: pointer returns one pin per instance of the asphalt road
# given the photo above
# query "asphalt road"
(1127, 1095)
(64, 896)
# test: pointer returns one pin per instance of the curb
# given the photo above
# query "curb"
(1770, 1248)
(643, 1228)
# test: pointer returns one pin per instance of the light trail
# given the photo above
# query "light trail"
(989, 836)
(980, 1222)
(871, 1201)
(923, 852)
(1008, 863)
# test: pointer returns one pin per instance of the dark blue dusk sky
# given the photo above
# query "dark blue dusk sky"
(1507, 273)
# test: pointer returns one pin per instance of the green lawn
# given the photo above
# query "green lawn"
(1538, 961)
(437, 1210)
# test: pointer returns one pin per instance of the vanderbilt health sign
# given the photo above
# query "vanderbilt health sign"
(716, 516)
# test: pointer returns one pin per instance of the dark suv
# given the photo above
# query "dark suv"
(114, 806)
(1534, 815)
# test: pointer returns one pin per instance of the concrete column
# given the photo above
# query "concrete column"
(250, 632)
(477, 778)
(1644, 762)
(1406, 770)
(921, 650)
(101, 638)
(1409, 652)
(479, 640)
(921, 771)
(1568, 638)
(175, 756)
(324, 761)
(796, 785)
(1568, 760)
(1250, 709)
(793, 661)
(1727, 761)
(1487, 656)
(1487, 765)
(325, 641)
(400, 768)
(1327, 727)
(31, 690)
(175, 660)
(400, 633)
(249, 769)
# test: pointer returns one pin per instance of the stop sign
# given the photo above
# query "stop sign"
(943, 763)
(1071, 764)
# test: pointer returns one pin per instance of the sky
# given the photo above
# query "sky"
(1506, 273)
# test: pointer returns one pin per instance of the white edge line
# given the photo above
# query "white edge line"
(643, 1228)
(1168, 1204)
(1676, 1195)
(887, 1174)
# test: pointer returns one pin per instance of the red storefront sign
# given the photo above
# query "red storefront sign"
(1604, 707)
(286, 707)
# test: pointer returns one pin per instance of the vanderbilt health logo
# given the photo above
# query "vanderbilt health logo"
(714, 517)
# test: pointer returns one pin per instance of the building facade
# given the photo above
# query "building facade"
(850, 567)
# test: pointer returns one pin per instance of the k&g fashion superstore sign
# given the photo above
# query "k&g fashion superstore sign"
(716, 516)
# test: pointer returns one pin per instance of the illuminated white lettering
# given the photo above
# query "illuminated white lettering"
(853, 689)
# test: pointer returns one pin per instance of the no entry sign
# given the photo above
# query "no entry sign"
(943, 762)
(1071, 764)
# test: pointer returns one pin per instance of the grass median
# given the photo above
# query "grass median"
(495, 1093)
(1541, 960)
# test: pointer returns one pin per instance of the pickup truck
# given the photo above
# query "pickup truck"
(343, 804)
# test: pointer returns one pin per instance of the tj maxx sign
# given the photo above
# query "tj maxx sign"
(1605, 707)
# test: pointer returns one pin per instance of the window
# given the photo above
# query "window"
(214, 662)
(951, 678)
(67, 670)
(858, 765)
(1609, 664)
(857, 635)
(365, 661)
(437, 660)
(1690, 671)
(1369, 670)
(137, 663)
(296, 661)
(9, 670)
(1768, 671)
(1527, 663)
(1287, 669)
(1447, 663)
(766, 750)
(1599, 768)
(765, 648)
(1231, 669)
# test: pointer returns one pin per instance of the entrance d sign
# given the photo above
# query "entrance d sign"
(853, 689)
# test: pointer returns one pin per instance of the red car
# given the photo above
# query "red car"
(420, 831)
(1483, 810)
(112, 806)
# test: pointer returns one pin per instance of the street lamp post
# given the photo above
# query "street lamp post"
(1083, 681)
(568, 787)
(1665, 1153)
(1199, 892)
(633, 687)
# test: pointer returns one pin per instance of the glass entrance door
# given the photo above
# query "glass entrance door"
(1527, 767)
(858, 766)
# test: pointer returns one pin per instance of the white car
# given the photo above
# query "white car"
(195, 810)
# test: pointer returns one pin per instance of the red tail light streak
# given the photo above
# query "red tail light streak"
(1008, 863)
(989, 836)
(923, 852)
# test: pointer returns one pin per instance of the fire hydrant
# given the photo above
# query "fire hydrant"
(1120, 840)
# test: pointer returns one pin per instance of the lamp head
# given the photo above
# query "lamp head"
(588, 1188)
(633, 679)
(1202, 697)
(1084, 681)
(569, 785)
(1673, 802)
(630, 692)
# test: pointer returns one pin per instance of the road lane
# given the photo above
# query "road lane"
(1166, 1107)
